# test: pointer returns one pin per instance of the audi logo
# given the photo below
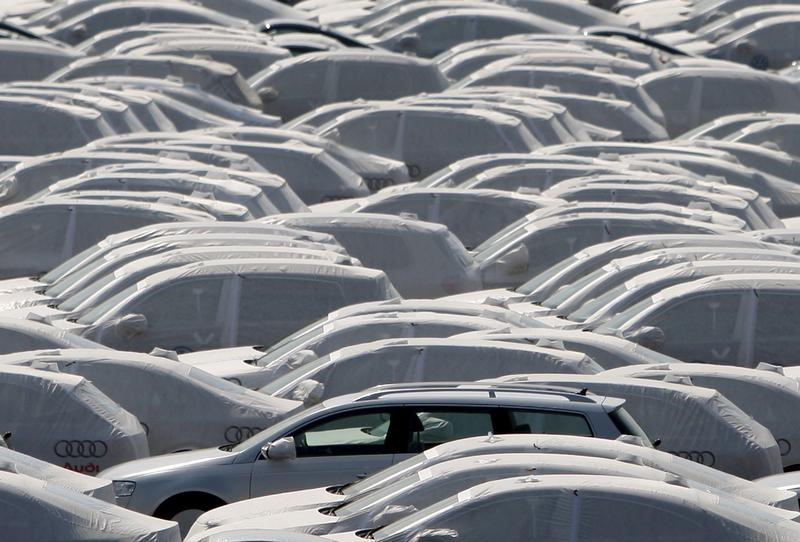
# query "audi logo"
(784, 446)
(80, 448)
(236, 434)
(704, 458)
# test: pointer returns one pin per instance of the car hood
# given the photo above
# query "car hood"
(496, 296)
(304, 521)
(216, 355)
(132, 470)
(266, 506)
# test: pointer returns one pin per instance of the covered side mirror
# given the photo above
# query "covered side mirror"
(130, 326)
(513, 262)
(283, 448)
(648, 336)
(409, 43)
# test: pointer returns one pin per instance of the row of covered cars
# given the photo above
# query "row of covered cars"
(394, 271)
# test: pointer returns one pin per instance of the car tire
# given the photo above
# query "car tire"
(186, 508)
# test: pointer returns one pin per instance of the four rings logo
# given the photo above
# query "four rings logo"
(704, 458)
(80, 448)
(236, 434)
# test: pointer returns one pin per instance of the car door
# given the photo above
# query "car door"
(335, 449)
(777, 329)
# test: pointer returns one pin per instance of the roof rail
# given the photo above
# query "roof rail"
(575, 394)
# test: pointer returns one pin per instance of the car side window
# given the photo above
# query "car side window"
(429, 428)
(557, 423)
(777, 325)
(353, 433)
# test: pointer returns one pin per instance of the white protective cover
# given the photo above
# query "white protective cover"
(221, 80)
(764, 393)
(473, 215)
(422, 259)
(429, 486)
(562, 508)
(18, 463)
(254, 369)
(167, 396)
(692, 422)
(394, 361)
(37, 236)
(38, 511)
(625, 449)
(408, 133)
(31, 60)
(299, 84)
(609, 352)
(65, 420)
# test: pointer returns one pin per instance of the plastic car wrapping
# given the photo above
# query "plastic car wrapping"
(689, 97)
(17, 335)
(567, 79)
(68, 126)
(419, 360)
(338, 76)
(621, 296)
(197, 202)
(254, 369)
(472, 215)
(164, 394)
(234, 321)
(65, 420)
(219, 79)
(313, 174)
(763, 392)
(32, 60)
(377, 171)
(551, 501)
(422, 259)
(594, 257)
(37, 510)
(609, 354)
(770, 161)
(248, 58)
(18, 463)
(228, 190)
(784, 236)
(407, 132)
(517, 253)
(751, 345)
(54, 233)
(730, 440)
(429, 486)
(497, 445)
(275, 189)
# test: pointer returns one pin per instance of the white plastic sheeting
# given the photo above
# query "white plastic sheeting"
(166, 396)
(692, 422)
(408, 133)
(39, 511)
(392, 361)
(609, 352)
(421, 258)
(766, 394)
(291, 87)
(18, 463)
(18, 335)
(229, 303)
(592, 509)
(67, 421)
(254, 369)
(472, 215)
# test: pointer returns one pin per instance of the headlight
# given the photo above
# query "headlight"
(123, 488)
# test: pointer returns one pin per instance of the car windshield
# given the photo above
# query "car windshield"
(307, 370)
(539, 280)
(277, 429)
(593, 305)
(73, 301)
(361, 503)
(101, 309)
(68, 266)
(567, 291)
(402, 469)
(288, 343)
(615, 323)
(413, 519)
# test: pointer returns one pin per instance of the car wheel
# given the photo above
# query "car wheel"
(186, 508)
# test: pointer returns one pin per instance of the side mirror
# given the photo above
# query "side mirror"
(130, 326)
(648, 336)
(409, 43)
(514, 262)
(283, 448)
(309, 391)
